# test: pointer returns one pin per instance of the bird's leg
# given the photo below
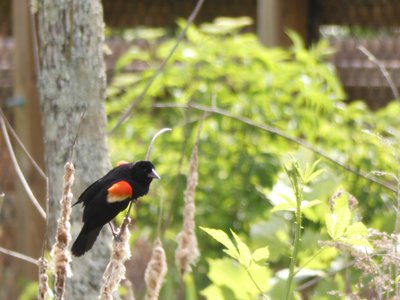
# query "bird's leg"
(115, 234)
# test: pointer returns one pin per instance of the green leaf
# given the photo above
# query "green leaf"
(337, 223)
(233, 254)
(284, 206)
(330, 225)
(307, 204)
(228, 274)
(313, 176)
(224, 239)
(244, 251)
(260, 254)
(356, 229)
(355, 241)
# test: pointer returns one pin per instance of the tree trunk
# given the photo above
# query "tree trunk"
(72, 80)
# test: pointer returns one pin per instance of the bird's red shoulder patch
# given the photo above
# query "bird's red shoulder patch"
(119, 191)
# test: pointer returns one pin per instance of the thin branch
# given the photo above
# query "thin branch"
(160, 216)
(255, 283)
(76, 136)
(19, 255)
(18, 170)
(317, 279)
(2, 195)
(180, 38)
(383, 70)
(153, 139)
(280, 133)
(310, 259)
(21, 144)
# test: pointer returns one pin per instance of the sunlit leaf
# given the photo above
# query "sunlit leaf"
(244, 251)
(260, 254)
(224, 239)
(307, 204)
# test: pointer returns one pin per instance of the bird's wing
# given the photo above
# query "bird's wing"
(97, 187)
(119, 191)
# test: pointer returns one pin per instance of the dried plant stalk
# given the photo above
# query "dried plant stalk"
(115, 270)
(43, 279)
(187, 251)
(61, 257)
(155, 271)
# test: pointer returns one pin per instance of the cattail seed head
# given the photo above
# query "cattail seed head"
(115, 270)
(61, 257)
(187, 251)
(155, 271)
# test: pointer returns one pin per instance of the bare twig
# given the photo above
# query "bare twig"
(139, 98)
(18, 170)
(280, 133)
(2, 195)
(76, 135)
(153, 139)
(160, 216)
(22, 146)
(317, 279)
(19, 255)
(383, 70)
(34, 8)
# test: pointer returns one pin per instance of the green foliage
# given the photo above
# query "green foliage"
(241, 183)
(253, 276)
(341, 226)
(299, 179)
(239, 250)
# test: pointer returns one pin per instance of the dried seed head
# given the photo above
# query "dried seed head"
(61, 257)
(187, 251)
(155, 271)
(115, 270)
(43, 279)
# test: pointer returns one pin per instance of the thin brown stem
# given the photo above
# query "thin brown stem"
(280, 133)
(315, 280)
(383, 70)
(22, 146)
(180, 38)
(19, 256)
(18, 169)
(71, 154)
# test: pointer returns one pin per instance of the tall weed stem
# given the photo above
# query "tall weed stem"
(297, 185)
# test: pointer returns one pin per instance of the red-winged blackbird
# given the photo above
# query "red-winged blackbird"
(110, 195)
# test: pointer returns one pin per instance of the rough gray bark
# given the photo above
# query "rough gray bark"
(72, 80)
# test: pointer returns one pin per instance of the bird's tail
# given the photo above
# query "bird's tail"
(85, 240)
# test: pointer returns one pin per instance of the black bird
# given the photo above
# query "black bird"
(110, 195)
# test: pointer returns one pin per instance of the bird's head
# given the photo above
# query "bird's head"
(145, 170)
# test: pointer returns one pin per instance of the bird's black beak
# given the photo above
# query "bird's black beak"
(153, 174)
